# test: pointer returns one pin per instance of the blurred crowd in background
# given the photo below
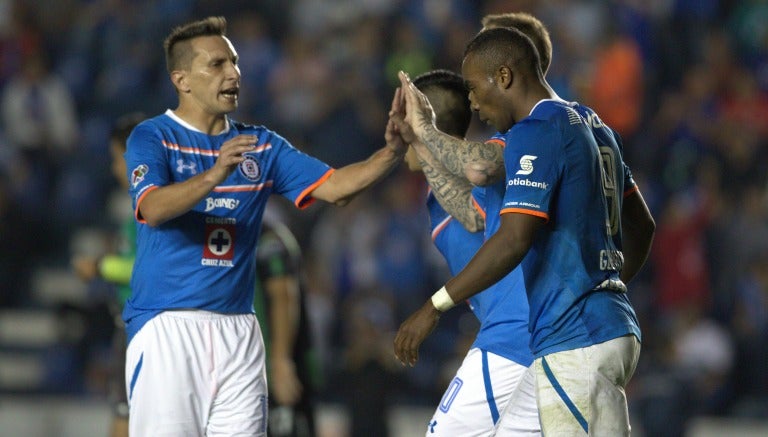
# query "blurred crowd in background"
(685, 82)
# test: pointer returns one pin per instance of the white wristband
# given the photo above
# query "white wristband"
(442, 300)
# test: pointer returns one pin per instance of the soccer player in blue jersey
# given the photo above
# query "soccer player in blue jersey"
(494, 376)
(200, 182)
(472, 407)
(567, 194)
(481, 163)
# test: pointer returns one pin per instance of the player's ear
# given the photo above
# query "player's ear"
(179, 79)
(504, 76)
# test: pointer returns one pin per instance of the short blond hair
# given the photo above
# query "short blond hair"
(531, 26)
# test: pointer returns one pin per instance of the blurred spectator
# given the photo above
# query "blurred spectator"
(75, 363)
(349, 127)
(750, 328)
(744, 105)
(259, 53)
(691, 19)
(678, 255)
(745, 235)
(660, 394)
(408, 51)
(20, 35)
(704, 353)
(370, 369)
(403, 244)
(296, 86)
(40, 118)
(679, 131)
(16, 253)
(616, 91)
(747, 25)
(66, 360)
(433, 20)
(343, 244)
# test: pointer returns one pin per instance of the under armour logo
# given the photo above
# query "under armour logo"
(432, 425)
(180, 166)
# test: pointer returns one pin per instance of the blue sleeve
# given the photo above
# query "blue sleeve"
(146, 161)
(478, 196)
(296, 173)
(532, 160)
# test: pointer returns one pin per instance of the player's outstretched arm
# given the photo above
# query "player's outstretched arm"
(350, 180)
(638, 228)
(480, 163)
(454, 193)
(168, 202)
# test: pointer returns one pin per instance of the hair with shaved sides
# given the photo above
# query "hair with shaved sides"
(454, 114)
(530, 26)
(178, 51)
(504, 46)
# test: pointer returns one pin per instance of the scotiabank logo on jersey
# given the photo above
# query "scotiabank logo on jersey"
(219, 248)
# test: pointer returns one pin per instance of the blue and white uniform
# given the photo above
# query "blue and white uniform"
(193, 279)
(565, 166)
(492, 378)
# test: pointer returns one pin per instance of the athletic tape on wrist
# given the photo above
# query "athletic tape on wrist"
(442, 300)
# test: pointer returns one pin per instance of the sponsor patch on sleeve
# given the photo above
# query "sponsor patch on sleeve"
(138, 174)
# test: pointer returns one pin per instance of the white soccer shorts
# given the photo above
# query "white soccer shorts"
(485, 387)
(197, 373)
(521, 415)
(581, 391)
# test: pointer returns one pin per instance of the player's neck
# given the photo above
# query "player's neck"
(204, 122)
(537, 92)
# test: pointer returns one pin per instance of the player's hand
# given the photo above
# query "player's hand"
(85, 267)
(392, 136)
(397, 125)
(232, 153)
(418, 111)
(413, 331)
(284, 385)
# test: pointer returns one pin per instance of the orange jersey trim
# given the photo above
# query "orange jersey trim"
(263, 147)
(198, 151)
(477, 206)
(631, 190)
(543, 215)
(192, 150)
(304, 199)
(136, 213)
(439, 228)
(497, 142)
(242, 188)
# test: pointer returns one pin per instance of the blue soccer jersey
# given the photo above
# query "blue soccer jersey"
(502, 309)
(564, 165)
(205, 258)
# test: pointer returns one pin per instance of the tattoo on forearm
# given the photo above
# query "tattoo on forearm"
(459, 155)
(453, 193)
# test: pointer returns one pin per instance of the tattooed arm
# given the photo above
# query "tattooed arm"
(454, 193)
(480, 163)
